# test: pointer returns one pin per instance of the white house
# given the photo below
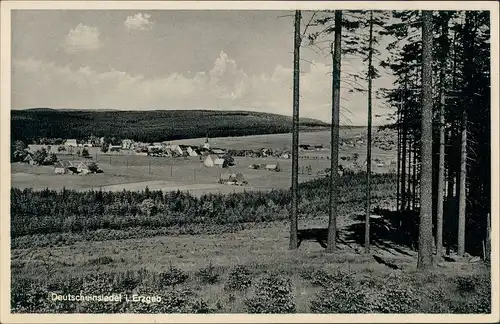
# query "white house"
(191, 152)
(221, 163)
(177, 149)
(209, 161)
(114, 148)
(83, 167)
(272, 167)
(61, 167)
(218, 151)
(127, 144)
(71, 142)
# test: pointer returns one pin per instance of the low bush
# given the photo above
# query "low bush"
(273, 294)
(209, 274)
(340, 295)
(239, 279)
(172, 277)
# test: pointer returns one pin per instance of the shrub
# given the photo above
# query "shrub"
(173, 276)
(480, 301)
(273, 294)
(209, 274)
(398, 298)
(101, 260)
(239, 279)
(466, 284)
(321, 278)
(339, 296)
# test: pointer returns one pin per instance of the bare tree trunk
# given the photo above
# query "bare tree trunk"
(295, 135)
(334, 175)
(468, 75)
(462, 198)
(398, 172)
(408, 189)
(403, 158)
(442, 129)
(414, 176)
(369, 135)
(425, 230)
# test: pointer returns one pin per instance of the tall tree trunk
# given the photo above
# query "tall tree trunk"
(468, 75)
(414, 176)
(369, 135)
(408, 189)
(425, 230)
(462, 197)
(295, 135)
(334, 159)
(403, 157)
(398, 172)
(442, 129)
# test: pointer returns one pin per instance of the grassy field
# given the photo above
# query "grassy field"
(242, 267)
(226, 265)
(169, 266)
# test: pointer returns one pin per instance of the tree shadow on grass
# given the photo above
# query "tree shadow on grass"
(391, 231)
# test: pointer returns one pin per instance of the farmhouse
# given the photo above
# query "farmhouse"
(114, 148)
(273, 167)
(83, 167)
(236, 179)
(191, 152)
(220, 162)
(218, 151)
(209, 161)
(62, 167)
(71, 142)
(305, 147)
(127, 144)
(176, 149)
(29, 159)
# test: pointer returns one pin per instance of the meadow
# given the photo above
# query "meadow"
(164, 227)
(224, 254)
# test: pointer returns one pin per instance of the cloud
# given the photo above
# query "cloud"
(139, 22)
(82, 38)
(225, 86)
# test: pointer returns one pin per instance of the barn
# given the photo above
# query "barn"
(273, 167)
(61, 167)
(220, 162)
(83, 167)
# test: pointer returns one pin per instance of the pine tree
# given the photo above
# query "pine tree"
(425, 236)
(295, 136)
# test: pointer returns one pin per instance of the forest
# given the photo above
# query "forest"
(146, 126)
(441, 103)
(51, 211)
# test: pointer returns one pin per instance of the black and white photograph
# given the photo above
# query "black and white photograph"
(281, 158)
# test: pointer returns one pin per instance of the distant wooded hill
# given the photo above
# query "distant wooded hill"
(148, 126)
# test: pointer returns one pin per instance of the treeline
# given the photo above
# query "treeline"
(50, 211)
(461, 139)
(146, 126)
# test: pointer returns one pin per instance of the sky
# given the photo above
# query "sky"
(174, 59)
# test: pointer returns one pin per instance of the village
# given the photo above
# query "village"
(199, 166)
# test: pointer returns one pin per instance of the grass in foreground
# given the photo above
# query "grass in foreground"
(361, 287)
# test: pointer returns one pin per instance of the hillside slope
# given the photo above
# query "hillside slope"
(148, 126)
